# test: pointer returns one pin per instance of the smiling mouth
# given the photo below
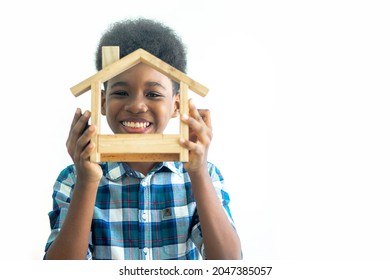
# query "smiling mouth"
(136, 124)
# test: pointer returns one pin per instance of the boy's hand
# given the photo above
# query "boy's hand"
(80, 147)
(200, 136)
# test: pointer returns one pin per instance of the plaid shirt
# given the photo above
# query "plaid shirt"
(137, 216)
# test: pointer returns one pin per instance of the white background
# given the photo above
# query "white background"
(299, 95)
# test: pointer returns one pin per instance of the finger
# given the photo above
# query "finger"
(205, 115)
(198, 130)
(77, 129)
(192, 122)
(193, 112)
(202, 115)
(76, 117)
(87, 152)
(79, 121)
(86, 137)
(83, 145)
(82, 123)
(191, 146)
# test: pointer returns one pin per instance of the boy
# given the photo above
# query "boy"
(138, 210)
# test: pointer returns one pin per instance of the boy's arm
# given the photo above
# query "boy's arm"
(73, 238)
(219, 237)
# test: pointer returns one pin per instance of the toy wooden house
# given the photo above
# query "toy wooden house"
(136, 147)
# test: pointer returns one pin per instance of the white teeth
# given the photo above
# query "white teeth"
(136, 124)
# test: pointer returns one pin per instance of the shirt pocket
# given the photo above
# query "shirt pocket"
(175, 229)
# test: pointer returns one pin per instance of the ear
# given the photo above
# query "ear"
(103, 102)
(176, 106)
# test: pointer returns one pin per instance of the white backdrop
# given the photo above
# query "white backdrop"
(299, 95)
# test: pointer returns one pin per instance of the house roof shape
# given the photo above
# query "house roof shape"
(131, 60)
(136, 147)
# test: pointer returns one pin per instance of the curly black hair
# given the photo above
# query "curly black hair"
(152, 36)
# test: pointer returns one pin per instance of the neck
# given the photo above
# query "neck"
(143, 167)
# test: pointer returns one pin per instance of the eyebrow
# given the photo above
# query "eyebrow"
(119, 84)
(148, 84)
(154, 84)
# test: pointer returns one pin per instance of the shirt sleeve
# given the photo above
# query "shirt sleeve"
(62, 194)
(223, 195)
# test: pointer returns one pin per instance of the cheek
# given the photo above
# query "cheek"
(163, 114)
(173, 108)
(112, 106)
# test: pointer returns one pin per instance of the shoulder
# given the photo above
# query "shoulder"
(178, 167)
(215, 172)
(68, 175)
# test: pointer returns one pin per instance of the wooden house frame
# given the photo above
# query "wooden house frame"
(136, 147)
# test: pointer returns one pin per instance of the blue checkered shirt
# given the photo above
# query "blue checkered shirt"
(140, 217)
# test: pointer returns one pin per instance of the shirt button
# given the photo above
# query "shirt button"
(144, 216)
(146, 251)
(143, 183)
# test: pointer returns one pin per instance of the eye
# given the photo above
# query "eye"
(153, 94)
(119, 93)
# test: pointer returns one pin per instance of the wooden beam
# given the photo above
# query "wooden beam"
(139, 144)
(172, 72)
(107, 73)
(184, 129)
(95, 117)
(129, 61)
(137, 147)
(139, 157)
(110, 54)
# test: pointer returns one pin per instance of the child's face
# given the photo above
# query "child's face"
(139, 100)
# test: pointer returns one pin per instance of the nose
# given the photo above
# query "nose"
(136, 106)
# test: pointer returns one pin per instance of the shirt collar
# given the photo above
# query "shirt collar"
(113, 170)
(116, 170)
(174, 166)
